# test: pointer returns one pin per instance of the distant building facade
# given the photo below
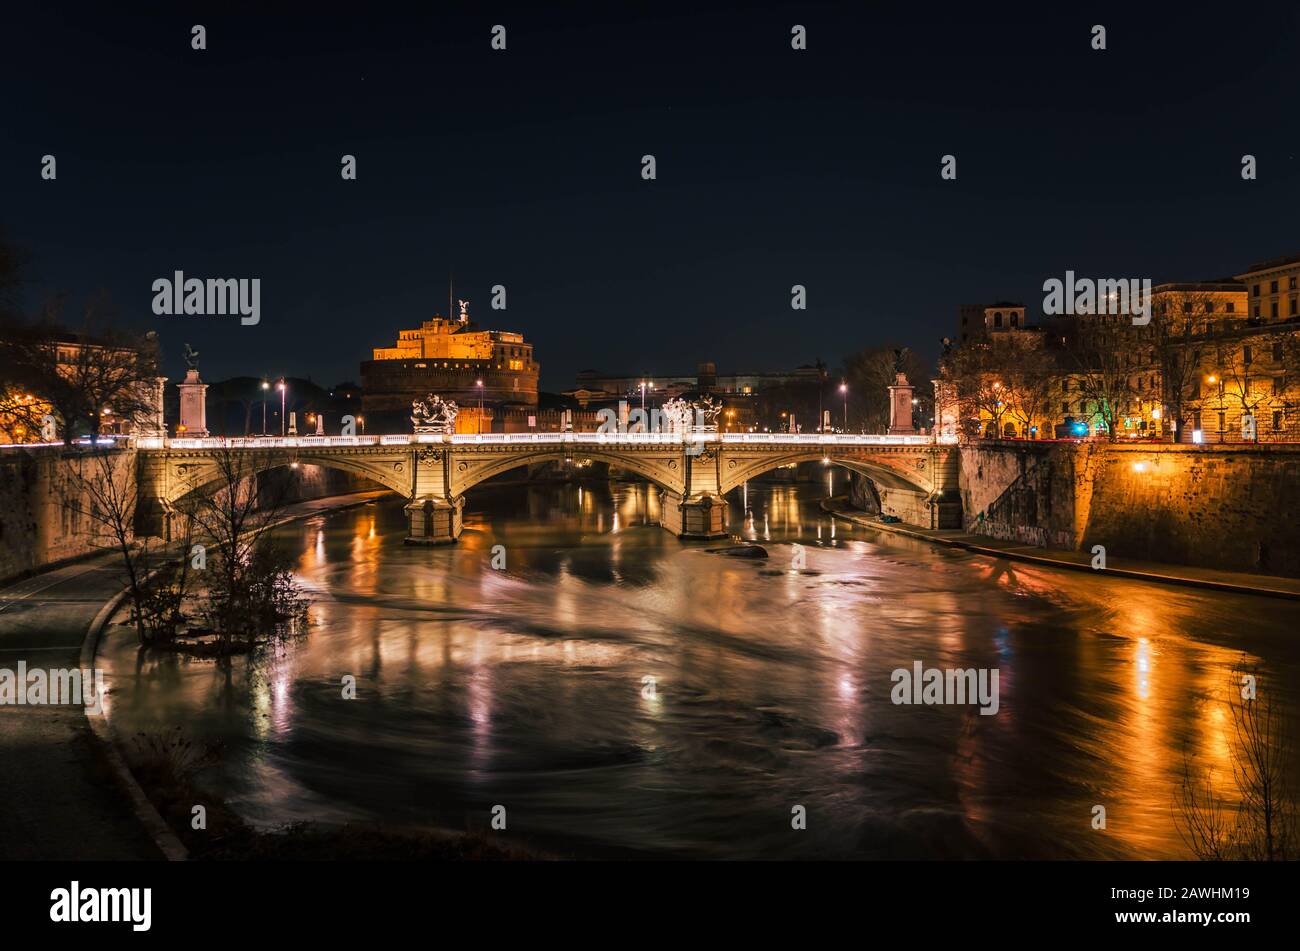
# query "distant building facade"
(1217, 361)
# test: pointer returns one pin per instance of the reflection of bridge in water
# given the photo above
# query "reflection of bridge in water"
(693, 470)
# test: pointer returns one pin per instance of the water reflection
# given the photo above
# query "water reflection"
(770, 686)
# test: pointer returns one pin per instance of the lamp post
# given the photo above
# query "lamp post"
(479, 384)
(283, 393)
(844, 391)
(265, 386)
(821, 399)
(361, 421)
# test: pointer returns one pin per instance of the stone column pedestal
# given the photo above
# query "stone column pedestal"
(194, 409)
(434, 521)
(699, 516)
(900, 408)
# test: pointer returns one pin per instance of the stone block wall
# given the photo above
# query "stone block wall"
(1230, 507)
(44, 508)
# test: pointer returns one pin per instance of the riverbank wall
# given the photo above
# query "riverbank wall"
(1230, 508)
(47, 508)
(1226, 507)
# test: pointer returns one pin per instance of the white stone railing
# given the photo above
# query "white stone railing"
(527, 439)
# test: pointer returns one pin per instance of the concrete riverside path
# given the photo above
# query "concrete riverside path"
(59, 800)
(1158, 572)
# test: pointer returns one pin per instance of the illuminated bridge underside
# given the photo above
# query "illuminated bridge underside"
(434, 472)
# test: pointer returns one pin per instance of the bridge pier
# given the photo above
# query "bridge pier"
(433, 520)
(153, 518)
(696, 516)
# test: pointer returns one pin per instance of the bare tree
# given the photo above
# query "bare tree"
(250, 586)
(1241, 384)
(13, 273)
(1263, 824)
(980, 373)
(1102, 364)
(1030, 371)
(76, 377)
(107, 479)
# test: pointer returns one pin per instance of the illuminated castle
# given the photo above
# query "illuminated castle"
(450, 358)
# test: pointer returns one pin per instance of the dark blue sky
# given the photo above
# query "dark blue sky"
(775, 167)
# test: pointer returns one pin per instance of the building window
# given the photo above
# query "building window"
(1277, 415)
(1065, 406)
(1254, 290)
(1279, 386)
(1290, 284)
(1272, 287)
(1209, 306)
(997, 320)
(1230, 307)
(1293, 310)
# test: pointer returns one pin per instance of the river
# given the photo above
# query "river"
(622, 693)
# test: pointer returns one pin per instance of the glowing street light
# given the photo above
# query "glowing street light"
(283, 394)
(479, 384)
(265, 386)
(361, 421)
(844, 391)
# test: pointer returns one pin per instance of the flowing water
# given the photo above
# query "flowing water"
(624, 693)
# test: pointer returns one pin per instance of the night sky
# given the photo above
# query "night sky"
(523, 168)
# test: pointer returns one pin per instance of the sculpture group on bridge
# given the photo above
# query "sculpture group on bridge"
(433, 414)
(699, 415)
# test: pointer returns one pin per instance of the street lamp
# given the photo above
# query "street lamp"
(361, 421)
(265, 386)
(283, 393)
(479, 384)
(844, 391)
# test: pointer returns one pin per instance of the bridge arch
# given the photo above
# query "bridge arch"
(203, 474)
(663, 468)
(908, 471)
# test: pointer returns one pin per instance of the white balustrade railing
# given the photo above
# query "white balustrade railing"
(527, 439)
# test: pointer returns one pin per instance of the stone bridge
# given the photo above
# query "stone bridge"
(694, 471)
